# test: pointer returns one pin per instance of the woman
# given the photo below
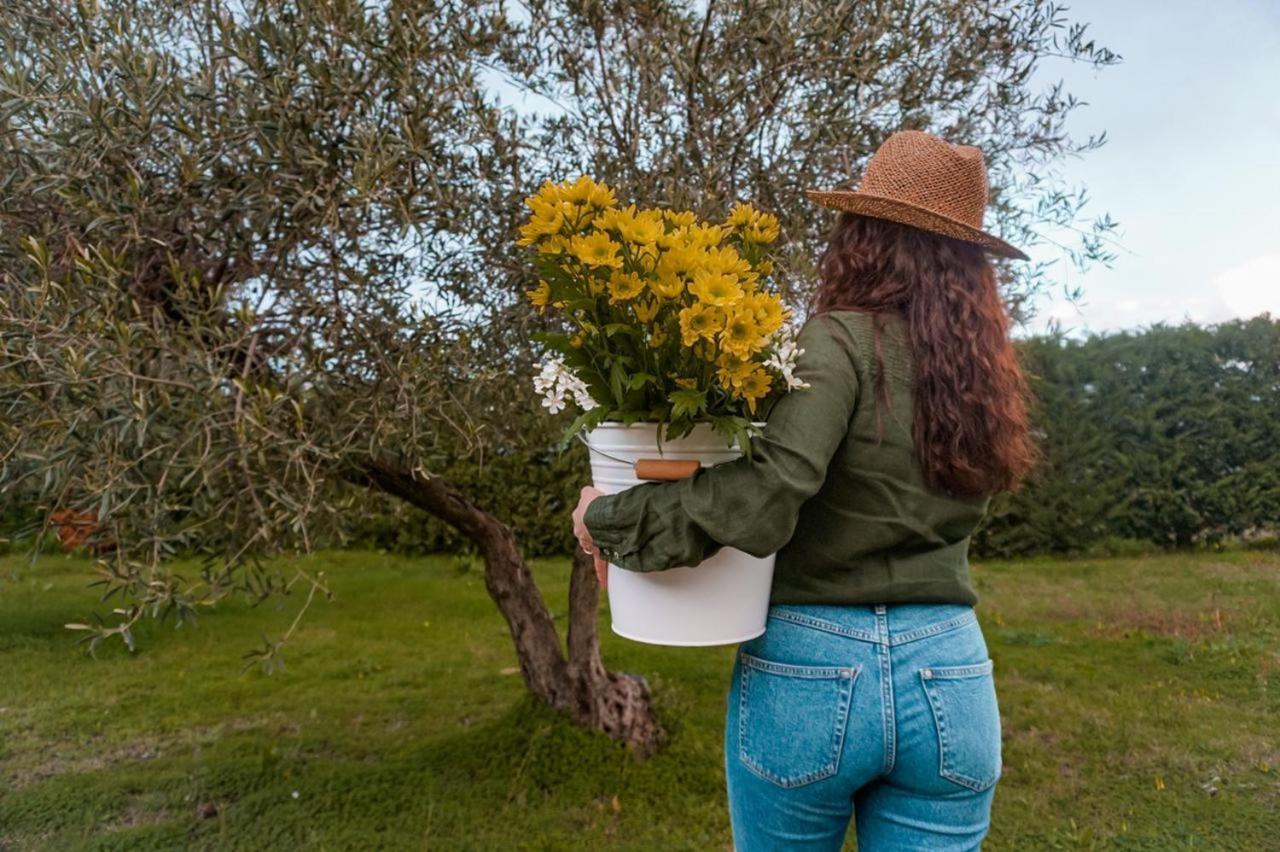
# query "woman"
(871, 689)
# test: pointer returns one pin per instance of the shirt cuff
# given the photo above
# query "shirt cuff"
(601, 522)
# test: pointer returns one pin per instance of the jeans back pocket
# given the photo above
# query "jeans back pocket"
(967, 717)
(791, 719)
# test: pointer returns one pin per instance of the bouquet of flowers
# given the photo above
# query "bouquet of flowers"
(670, 319)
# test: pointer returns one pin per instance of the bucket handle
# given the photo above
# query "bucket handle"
(655, 470)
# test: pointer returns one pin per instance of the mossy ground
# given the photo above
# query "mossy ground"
(1140, 701)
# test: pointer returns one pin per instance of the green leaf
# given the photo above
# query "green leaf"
(688, 402)
(584, 422)
(618, 381)
(557, 340)
(639, 380)
(613, 328)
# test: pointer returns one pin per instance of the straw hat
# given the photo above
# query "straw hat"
(918, 179)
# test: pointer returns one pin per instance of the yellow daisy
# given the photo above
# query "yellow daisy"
(741, 335)
(554, 245)
(700, 322)
(681, 219)
(667, 285)
(586, 191)
(596, 250)
(727, 261)
(731, 369)
(715, 289)
(752, 387)
(740, 216)
(763, 230)
(539, 295)
(645, 310)
(641, 227)
(624, 286)
(767, 310)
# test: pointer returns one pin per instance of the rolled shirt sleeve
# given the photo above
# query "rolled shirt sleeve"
(750, 503)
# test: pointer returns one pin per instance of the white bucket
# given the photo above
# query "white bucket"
(722, 601)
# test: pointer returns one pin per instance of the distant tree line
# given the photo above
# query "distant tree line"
(1169, 437)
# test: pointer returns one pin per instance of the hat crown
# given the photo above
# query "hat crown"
(921, 169)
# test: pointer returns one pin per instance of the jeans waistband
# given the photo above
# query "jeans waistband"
(884, 624)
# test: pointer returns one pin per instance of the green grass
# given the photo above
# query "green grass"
(1139, 703)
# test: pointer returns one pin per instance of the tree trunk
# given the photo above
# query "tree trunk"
(616, 703)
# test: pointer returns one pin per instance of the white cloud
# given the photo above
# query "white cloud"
(1252, 287)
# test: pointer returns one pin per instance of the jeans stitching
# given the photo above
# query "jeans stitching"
(823, 624)
(970, 670)
(886, 692)
(939, 717)
(823, 672)
(928, 630)
(845, 696)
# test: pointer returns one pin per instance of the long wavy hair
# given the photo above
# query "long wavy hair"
(970, 425)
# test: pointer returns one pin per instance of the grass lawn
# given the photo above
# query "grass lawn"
(1140, 702)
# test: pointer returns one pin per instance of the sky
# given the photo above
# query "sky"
(1191, 170)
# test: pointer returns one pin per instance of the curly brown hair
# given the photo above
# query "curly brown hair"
(971, 427)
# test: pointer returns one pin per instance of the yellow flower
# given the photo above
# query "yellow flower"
(586, 191)
(595, 285)
(554, 245)
(596, 250)
(699, 322)
(767, 310)
(753, 386)
(681, 219)
(741, 335)
(623, 286)
(577, 340)
(549, 194)
(679, 261)
(732, 369)
(740, 216)
(539, 295)
(667, 285)
(638, 226)
(606, 220)
(765, 267)
(727, 261)
(657, 337)
(754, 225)
(703, 236)
(645, 310)
(763, 230)
(545, 221)
(686, 384)
(715, 289)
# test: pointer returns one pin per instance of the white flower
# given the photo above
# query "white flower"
(784, 358)
(554, 382)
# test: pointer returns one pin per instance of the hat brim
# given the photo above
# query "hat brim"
(905, 213)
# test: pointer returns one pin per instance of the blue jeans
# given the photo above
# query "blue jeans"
(886, 709)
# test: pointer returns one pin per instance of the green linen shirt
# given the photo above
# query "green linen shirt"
(851, 517)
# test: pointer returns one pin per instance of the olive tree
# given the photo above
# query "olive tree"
(257, 256)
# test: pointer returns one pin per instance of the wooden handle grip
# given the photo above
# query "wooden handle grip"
(666, 469)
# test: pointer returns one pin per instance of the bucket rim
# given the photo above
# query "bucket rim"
(612, 425)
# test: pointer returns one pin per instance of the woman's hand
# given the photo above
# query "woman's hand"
(584, 537)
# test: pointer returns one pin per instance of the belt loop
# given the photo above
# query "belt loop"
(882, 625)
(880, 608)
